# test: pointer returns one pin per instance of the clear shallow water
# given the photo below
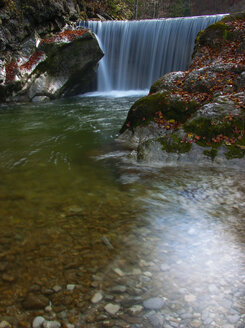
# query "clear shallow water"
(74, 208)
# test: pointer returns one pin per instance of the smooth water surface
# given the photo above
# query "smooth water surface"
(138, 52)
(76, 209)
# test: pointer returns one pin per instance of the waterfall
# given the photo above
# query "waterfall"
(139, 52)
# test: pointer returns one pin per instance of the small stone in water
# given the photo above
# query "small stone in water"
(112, 308)
(156, 320)
(165, 267)
(196, 323)
(119, 272)
(134, 310)
(48, 308)
(147, 274)
(155, 303)
(97, 298)
(35, 302)
(8, 278)
(190, 298)
(3, 266)
(118, 289)
(70, 287)
(38, 322)
(5, 324)
(136, 271)
(233, 318)
(51, 324)
(57, 288)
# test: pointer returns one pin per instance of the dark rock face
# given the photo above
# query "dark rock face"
(196, 116)
(19, 18)
(36, 67)
(61, 65)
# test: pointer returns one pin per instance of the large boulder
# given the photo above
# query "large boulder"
(196, 116)
(61, 65)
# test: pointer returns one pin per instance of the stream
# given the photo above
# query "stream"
(104, 241)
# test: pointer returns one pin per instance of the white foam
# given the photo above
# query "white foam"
(116, 93)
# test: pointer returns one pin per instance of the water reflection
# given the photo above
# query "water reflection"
(164, 245)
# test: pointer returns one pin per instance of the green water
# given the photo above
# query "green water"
(73, 204)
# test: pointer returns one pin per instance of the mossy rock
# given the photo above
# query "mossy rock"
(172, 108)
(218, 32)
(173, 144)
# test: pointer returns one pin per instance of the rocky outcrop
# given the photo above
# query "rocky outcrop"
(61, 65)
(42, 56)
(196, 116)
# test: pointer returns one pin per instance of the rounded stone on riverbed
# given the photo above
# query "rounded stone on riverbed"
(8, 278)
(97, 298)
(70, 287)
(119, 289)
(51, 324)
(154, 303)
(119, 272)
(112, 308)
(190, 298)
(57, 288)
(156, 320)
(135, 309)
(38, 322)
(35, 302)
(5, 324)
(165, 267)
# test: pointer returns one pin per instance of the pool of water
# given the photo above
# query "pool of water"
(79, 218)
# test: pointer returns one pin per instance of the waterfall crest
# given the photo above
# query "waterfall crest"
(139, 52)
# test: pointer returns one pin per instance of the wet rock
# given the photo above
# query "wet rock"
(130, 301)
(48, 308)
(196, 323)
(112, 308)
(3, 266)
(35, 302)
(119, 289)
(47, 291)
(97, 298)
(156, 320)
(119, 272)
(57, 288)
(190, 298)
(51, 324)
(8, 278)
(155, 303)
(38, 322)
(233, 318)
(136, 271)
(35, 288)
(40, 99)
(5, 324)
(136, 309)
(70, 287)
(165, 267)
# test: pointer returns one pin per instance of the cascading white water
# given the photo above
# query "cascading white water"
(139, 52)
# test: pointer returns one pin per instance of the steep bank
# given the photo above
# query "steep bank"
(197, 115)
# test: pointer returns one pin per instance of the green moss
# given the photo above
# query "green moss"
(212, 153)
(234, 152)
(212, 34)
(144, 110)
(172, 144)
(205, 127)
